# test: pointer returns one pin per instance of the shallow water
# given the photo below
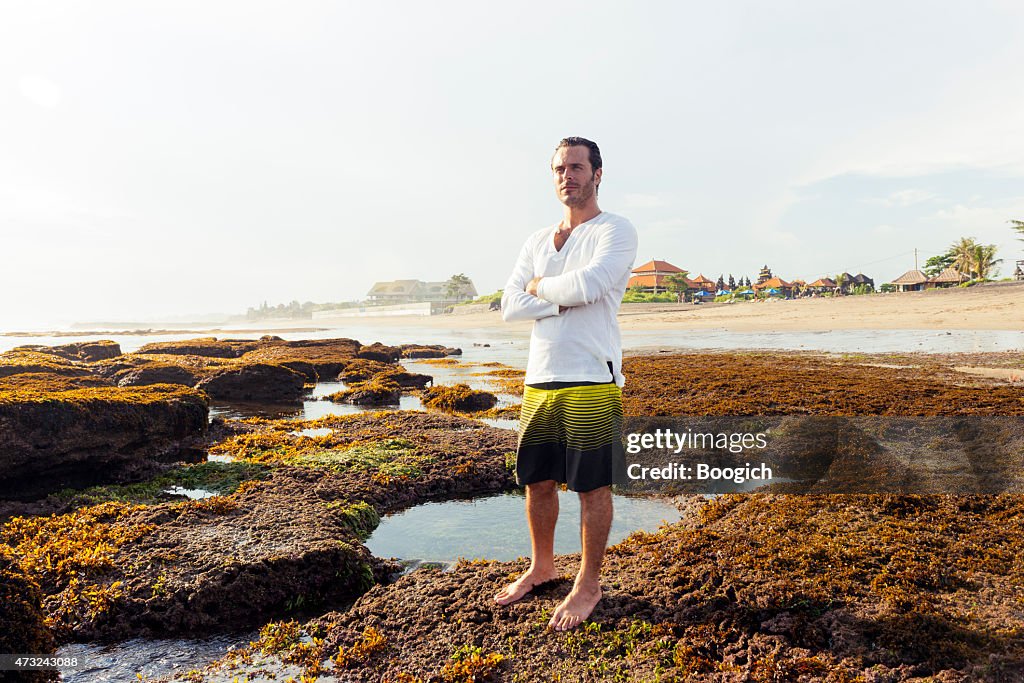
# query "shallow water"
(511, 346)
(502, 342)
(191, 494)
(122, 661)
(313, 406)
(495, 527)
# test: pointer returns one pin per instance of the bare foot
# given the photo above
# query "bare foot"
(576, 607)
(523, 585)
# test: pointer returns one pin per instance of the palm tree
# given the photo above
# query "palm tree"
(964, 253)
(1019, 227)
(985, 261)
(977, 261)
(840, 283)
(676, 283)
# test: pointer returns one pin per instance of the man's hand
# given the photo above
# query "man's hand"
(531, 288)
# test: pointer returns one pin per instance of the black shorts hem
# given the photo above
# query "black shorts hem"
(580, 471)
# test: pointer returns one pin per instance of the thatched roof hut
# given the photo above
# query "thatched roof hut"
(947, 278)
(774, 283)
(910, 281)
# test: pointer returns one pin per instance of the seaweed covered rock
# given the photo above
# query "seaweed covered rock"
(437, 456)
(22, 621)
(208, 346)
(405, 379)
(199, 566)
(287, 544)
(41, 382)
(316, 358)
(313, 358)
(745, 588)
(134, 368)
(254, 382)
(82, 351)
(52, 438)
(380, 352)
(138, 376)
(428, 351)
(458, 397)
(362, 369)
(371, 393)
(780, 383)
(221, 378)
(24, 361)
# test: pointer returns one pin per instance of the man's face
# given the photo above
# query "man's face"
(575, 180)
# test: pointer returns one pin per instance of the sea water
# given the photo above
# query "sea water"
(495, 528)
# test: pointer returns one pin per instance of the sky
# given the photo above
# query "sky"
(164, 160)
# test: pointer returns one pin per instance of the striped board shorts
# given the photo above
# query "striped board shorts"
(571, 434)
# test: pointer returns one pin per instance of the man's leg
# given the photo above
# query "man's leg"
(595, 521)
(542, 514)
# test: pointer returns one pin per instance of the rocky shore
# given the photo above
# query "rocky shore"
(761, 587)
(745, 588)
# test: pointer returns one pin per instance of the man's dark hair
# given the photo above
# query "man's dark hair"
(595, 152)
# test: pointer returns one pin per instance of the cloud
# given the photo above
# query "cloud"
(904, 198)
(883, 229)
(643, 201)
(973, 121)
(669, 225)
(777, 238)
(981, 216)
(40, 91)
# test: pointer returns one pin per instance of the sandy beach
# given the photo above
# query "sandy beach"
(996, 306)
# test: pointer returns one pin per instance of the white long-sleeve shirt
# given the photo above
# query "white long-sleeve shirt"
(589, 274)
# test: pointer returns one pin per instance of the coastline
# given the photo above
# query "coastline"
(994, 306)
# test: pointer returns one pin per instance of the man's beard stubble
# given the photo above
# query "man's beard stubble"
(587, 191)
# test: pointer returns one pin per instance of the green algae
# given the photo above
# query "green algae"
(217, 477)
(361, 517)
(396, 458)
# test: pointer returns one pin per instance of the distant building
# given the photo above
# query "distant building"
(417, 291)
(764, 275)
(822, 285)
(702, 284)
(851, 281)
(949, 277)
(910, 281)
(776, 283)
(915, 280)
(650, 276)
(862, 279)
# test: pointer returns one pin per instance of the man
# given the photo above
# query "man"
(569, 279)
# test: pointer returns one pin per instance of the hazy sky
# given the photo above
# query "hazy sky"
(163, 158)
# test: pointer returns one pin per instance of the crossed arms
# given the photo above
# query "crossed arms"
(613, 255)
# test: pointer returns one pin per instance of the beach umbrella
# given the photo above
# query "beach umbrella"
(721, 292)
(773, 291)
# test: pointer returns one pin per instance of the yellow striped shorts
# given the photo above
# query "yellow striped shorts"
(570, 434)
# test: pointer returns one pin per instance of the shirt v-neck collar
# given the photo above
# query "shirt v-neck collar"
(551, 239)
